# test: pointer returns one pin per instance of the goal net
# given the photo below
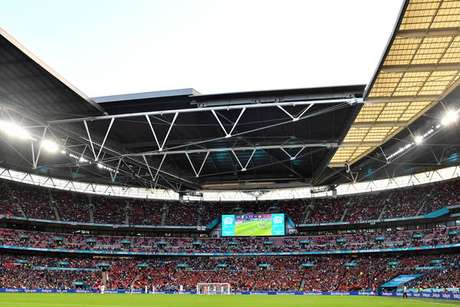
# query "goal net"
(213, 288)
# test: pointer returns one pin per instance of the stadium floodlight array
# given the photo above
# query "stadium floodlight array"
(49, 146)
(105, 167)
(14, 130)
(449, 118)
(213, 288)
(418, 139)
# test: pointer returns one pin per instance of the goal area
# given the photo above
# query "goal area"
(213, 288)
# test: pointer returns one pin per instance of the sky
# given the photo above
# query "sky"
(108, 47)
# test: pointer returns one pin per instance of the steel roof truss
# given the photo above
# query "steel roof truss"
(37, 156)
(105, 137)
(152, 129)
(293, 157)
(228, 134)
(298, 116)
(245, 167)
(197, 173)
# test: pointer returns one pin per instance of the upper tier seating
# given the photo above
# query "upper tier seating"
(41, 203)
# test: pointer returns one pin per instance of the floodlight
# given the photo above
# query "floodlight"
(49, 146)
(100, 165)
(82, 160)
(418, 139)
(449, 118)
(14, 130)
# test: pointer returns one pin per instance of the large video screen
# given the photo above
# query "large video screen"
(253, 225)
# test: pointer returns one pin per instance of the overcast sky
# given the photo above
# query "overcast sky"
(114, 46)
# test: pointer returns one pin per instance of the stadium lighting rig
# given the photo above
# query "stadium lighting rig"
(49, 146)
(13, 130)
(105, 167)
(80, 159)
(53, 147)
(449, 118)
(418, 139)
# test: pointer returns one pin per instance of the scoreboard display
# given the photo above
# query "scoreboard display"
(253, 225)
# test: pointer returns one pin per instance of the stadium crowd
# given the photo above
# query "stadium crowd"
(360, 239)
(269, 272)
(324, 273)
(38, 203)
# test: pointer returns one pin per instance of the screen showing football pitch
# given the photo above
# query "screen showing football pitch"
(253, 225)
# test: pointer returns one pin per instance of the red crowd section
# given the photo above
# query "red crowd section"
(48, 204)
(322, 273)
(242, 273)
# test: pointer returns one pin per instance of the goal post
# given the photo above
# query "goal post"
(213, 288)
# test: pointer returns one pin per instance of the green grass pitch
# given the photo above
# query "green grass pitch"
(156, 300)
(254, 228)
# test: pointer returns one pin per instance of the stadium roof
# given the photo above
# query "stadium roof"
(421, 65)
(29, 84)
(184, 140)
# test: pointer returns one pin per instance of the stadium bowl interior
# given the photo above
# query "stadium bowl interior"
(238, 193)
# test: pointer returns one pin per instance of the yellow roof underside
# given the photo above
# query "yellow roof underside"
(421, 65)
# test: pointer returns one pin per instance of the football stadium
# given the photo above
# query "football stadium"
(317, 196)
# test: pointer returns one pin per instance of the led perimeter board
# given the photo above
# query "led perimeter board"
(253, 225)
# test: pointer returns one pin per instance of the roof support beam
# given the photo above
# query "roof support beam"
(148, 168)
(286, 165)
(242, 148)
(328, 109)
(152, 129)
(197, 173)
(429, 32)
(36, 157)
(292, 157)
(89, 138)
(360, 144)
(380, 124)
(220, 123)
(228, 134)
(208, 109)
(245, 166)
(419, 67)
(158, 170)
(105, 138)
(113, 175)
(401, 99)
(298, 116)
(169, 131)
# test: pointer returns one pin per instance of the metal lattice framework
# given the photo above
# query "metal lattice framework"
(291, 151)
(86, 146)
(182, 140)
